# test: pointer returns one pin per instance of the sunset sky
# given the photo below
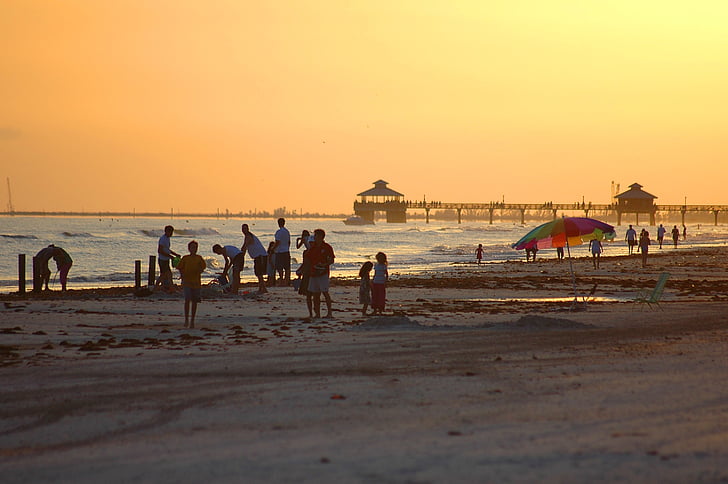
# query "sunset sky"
(241, 105)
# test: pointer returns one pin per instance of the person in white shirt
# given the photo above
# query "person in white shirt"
(257, 254)
(282, 249)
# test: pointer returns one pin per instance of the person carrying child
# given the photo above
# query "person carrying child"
(379, 287)
(365, 287)
(191, 267)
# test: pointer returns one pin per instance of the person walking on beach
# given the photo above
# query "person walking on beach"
(560, 253)
(531, 251)
(479, 253)
(685, 232)
(596, 250)
(379, 283)
(675, 235)
(234, 258)
(631, 237)
(164, 255)
(257, 254)
(191, 267)
(321, 258)
(365, 287)
(63, 264)
(661, 234)
(282, 251)
(644, 246)
(41, 269)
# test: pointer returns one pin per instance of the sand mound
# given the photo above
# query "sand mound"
(540, 323)
(390, 322)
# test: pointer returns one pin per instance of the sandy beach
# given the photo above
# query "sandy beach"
(483, 374)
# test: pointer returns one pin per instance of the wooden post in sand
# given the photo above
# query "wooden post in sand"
(137, 274)
(152, 275)
(21, 273)
(37, 283)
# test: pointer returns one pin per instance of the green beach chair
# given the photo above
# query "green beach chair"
(654, 298)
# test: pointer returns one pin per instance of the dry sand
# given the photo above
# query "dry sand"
(479, 375)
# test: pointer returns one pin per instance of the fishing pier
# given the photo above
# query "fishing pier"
(634, 201)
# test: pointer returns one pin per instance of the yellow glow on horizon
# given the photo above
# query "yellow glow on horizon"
(241, 105)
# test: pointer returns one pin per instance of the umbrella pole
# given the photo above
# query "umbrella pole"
(573, 277)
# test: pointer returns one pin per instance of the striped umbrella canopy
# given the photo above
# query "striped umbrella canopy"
(565, 232)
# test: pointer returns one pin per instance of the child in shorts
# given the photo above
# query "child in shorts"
(191, 267)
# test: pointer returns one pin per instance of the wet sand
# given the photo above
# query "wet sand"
(480, 374)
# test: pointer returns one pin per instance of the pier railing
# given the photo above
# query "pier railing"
(586, 208)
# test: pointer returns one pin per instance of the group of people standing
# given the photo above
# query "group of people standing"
(312, 276)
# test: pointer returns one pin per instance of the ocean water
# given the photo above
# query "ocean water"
(104, 249)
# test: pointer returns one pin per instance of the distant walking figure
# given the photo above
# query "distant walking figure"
(644, 246)
(531, 252)
(685, 232)
(661, 234)
(479, 253)
(631, 237)
(675, 235)
(560, 253)
(596, 249)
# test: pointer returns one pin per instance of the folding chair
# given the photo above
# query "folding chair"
(654, 298)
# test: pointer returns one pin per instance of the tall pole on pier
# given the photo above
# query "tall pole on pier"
(10, 198)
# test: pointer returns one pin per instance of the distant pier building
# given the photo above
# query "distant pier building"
(637, 201)
(381, 199)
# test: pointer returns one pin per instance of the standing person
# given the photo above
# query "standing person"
(283, 252)
(365, 287)
(644, 246)
(379, 283)
(271, 266)
(304, 240)
(257, 254)
(661, 234)
(234, 258)
(164, 255)
(41, 265)
(63, 264)
(631, 237)
(596, 249)
(675, 235)
(479, 253)
(321, 258)
(685, 232)
(560, 253)
(191, 267)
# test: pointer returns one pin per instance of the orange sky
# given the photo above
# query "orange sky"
(199, 106)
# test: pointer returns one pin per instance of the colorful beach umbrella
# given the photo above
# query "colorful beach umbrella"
(565, 232)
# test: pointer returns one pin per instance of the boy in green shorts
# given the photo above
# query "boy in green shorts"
(190, 268)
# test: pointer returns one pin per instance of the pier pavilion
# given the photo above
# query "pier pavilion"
(636, 201)
(381, 199)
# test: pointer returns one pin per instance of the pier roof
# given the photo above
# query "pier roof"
(380, 190)
(635, 192)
